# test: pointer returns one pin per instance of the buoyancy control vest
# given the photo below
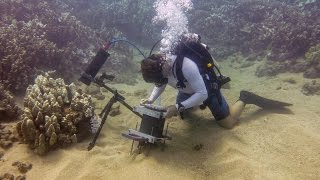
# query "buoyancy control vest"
(198, 53)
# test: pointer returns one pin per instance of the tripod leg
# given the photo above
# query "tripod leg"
(104, 118)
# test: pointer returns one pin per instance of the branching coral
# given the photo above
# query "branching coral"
(55, 115)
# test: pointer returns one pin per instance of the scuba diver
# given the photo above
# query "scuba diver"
(190, 68)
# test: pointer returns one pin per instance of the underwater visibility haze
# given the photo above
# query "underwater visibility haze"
(159, 89)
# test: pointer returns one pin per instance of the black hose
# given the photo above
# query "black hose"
(154, 46)
(124, 40)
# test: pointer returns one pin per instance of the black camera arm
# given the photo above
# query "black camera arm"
(106, 110)
(89, 75)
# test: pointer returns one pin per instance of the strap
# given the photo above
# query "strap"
(178, 67)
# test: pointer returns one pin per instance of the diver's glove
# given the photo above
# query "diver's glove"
(145, 101)
(171, 111)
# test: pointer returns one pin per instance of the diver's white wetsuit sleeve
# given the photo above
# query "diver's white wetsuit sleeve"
(192, 75)
(156, 92)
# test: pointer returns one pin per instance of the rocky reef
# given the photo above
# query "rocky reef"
(55, 115)
(312, 58)
(130, 17)
(63, 35)
(311, 88)
(39, 36)
(280, 31)
(35, 38)
(8, 109)
(285, 29)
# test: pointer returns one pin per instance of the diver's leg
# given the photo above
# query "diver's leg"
(235, 112)
(225, 116)
(221, 111)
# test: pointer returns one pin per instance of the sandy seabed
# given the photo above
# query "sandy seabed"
(282, 144)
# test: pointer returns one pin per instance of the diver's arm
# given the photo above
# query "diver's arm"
(191, 73)
(157, 91)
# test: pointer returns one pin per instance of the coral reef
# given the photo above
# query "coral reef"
(8, 109)
(253, 25)
(132, 18)
(309, 65)
(43, 35)
(34, 37)
(63, 35)
(55, 115)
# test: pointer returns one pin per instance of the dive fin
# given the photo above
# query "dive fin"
(251, 98)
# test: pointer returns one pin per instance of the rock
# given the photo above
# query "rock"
(247, 64)
(22, 167)
(290, 80)
(99, 96)
(115, 111)
(6, 137)
(103, 90)
(7, 176)
(21, 177)
(93, 89)
(270, 69)
(5, 144)
(122, 92)
(140, 93)
(311, 88)
(311, 73)
(74, 138)
(197, 147)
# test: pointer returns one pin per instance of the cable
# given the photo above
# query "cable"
(114, 40)
(154, 46)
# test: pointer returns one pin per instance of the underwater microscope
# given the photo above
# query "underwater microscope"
(152, 116)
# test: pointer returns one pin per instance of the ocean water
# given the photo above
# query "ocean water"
(72, 69)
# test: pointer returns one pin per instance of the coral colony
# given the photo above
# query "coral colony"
(54, 115)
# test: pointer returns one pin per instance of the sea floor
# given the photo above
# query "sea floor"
(283, 144)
